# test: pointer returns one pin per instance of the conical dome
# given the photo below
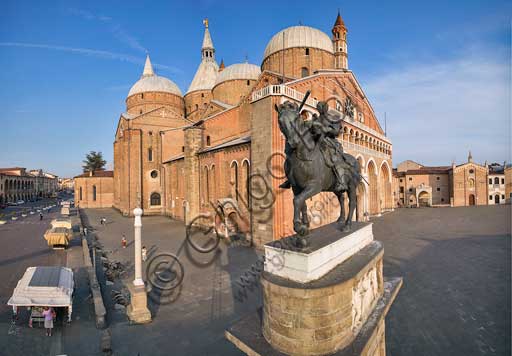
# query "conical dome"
(149, 82)
(208, 70)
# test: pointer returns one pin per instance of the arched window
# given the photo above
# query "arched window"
(155, 199)
(248, 82)
(234, 180)
(142, 96)
(496, 180)
(307, 51)
(197, 106)
(304, 72)
(207, 140)
(80, 193)
(150, 154)
(94, 193)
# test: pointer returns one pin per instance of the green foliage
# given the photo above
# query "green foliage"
(94, 162)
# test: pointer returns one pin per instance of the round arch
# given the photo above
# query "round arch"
(373, 203)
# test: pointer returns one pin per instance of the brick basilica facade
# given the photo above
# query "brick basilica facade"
(180, 155)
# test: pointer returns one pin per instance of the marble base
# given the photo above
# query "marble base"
(138, 311)
(328, 248)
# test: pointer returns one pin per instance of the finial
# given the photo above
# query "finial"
(470, 157)
(205, 22)
(148, 67)
(221, 66)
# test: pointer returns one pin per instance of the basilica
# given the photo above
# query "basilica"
(179, 154)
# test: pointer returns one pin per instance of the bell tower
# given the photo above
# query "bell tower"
(339, 42)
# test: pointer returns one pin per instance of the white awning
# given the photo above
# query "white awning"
(44, 286)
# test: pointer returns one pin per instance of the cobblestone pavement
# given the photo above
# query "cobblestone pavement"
(456, 268)
(455, 299)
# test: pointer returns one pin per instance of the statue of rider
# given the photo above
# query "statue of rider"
(328, 126)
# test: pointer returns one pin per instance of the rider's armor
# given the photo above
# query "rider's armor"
(329, 126)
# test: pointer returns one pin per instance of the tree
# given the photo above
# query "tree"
(94, 162)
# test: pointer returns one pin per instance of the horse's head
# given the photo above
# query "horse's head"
(288, 112)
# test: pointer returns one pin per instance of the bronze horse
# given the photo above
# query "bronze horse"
(309, 173)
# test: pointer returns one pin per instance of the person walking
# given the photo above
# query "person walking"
(123, 241)
(40, 216)
(85, 231)
(144, 253)
(101, 221)
(48, 314)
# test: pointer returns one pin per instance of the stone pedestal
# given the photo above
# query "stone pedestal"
(138, 311)
(328, 300)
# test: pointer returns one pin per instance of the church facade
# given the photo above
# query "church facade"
(180, 155)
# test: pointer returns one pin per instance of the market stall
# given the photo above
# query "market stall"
(44, 287)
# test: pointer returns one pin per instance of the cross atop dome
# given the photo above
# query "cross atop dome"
(148, 68)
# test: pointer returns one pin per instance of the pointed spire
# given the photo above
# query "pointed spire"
(222, 66)
(470, 157)
(339, 21)
(148, 68)
(207, 39)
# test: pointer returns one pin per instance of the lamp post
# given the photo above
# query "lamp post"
(138, 247)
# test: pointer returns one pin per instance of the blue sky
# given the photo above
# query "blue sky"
(439, 70)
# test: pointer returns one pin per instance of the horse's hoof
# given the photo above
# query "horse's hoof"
(346, 228)
(300, 229)
(302, 242)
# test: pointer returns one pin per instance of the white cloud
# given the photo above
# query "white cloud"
(438, 111)
(92, 52)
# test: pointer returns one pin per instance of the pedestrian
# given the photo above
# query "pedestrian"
(85, 231)
(101, 221)
(144, 253)
(40, 216)
(123, 241)
(48, 314)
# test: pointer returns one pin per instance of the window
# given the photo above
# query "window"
(401, 189)
(502, 196)
(401, 180)
(182, 148)
(80, 193)
(502, 180)
(410, 190)
(94, 192)
(490, 181)
(307, 51)
(150, 133)
(197, 106)
(442, 199)
(248, 82)
(150, 154)
(471, 171)
(140, 112)
(490, 197)
(154, 173)
(437, 178)
(496, 180)
(202, 95)
(410, 179)
(438, 189)
(155, 199)
(207, 140)
(142, 96)
(304, 72)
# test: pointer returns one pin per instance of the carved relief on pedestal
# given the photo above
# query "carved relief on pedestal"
(364, 296)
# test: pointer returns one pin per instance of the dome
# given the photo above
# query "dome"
(239, 71)
(298, 36)
(154, 83)
(149, 81)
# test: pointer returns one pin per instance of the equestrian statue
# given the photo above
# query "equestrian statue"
(315, 162)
